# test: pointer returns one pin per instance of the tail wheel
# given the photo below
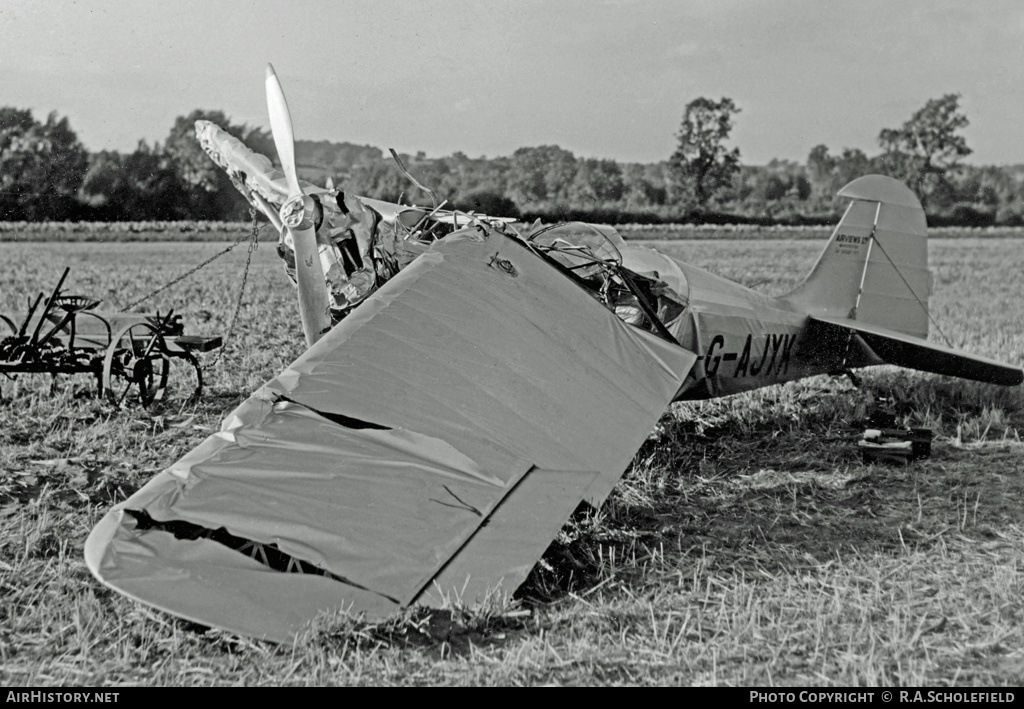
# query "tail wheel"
(136, 365)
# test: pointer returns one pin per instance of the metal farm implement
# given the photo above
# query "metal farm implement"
(129, 354)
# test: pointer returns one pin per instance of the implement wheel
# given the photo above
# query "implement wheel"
(187, 378)
(136, 364)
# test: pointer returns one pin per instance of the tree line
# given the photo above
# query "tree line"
(46, 174)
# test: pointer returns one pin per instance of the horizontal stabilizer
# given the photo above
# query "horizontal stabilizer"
(914, 353)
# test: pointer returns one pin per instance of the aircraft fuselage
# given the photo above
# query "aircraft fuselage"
(743, 339)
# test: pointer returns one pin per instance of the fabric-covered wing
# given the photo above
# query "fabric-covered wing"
(427, 449)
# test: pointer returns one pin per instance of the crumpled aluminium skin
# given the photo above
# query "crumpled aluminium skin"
(426, 450)
(346, 233)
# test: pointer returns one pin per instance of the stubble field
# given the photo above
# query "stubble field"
(747, 544)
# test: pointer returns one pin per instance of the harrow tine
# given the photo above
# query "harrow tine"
(49, 304)
(28, 318)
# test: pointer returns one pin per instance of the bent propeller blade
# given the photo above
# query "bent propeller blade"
(281, 128)
(297, 217)
(314, 303)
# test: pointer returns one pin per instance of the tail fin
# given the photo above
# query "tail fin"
(875, 267)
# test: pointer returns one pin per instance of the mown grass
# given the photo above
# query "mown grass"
(747, 545)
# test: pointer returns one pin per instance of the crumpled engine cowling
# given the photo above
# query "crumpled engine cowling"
(363, 242)
(346, 237)
(346, 230)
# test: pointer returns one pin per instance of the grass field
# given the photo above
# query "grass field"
(747, 544)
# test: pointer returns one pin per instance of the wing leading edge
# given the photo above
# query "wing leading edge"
(426, 449)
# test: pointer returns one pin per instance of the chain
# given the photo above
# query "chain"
(254, 243)
(205, 263)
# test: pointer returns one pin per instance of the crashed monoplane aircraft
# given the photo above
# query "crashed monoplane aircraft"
(479, 383)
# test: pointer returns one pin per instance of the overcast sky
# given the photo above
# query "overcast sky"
(603, 78)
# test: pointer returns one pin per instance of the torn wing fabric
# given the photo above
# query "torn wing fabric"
(427, 449)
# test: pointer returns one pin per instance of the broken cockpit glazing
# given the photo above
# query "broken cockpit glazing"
(593, 256)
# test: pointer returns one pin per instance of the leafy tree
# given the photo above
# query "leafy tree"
(644, 185)
(595, 184)
(380, 179)
(336, 158)
(801, 187)
(827, 174)
(490, 203)
(821, 169)
(702, 164)
(770, 186)
(989, 185)
(926, 147)
(468, 176)
(41, 166)
(540, 175)
(853, 163)
(142, 185)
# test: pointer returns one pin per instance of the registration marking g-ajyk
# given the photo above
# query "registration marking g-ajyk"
(776, 350)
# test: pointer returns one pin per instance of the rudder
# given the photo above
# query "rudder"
(874, 269)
